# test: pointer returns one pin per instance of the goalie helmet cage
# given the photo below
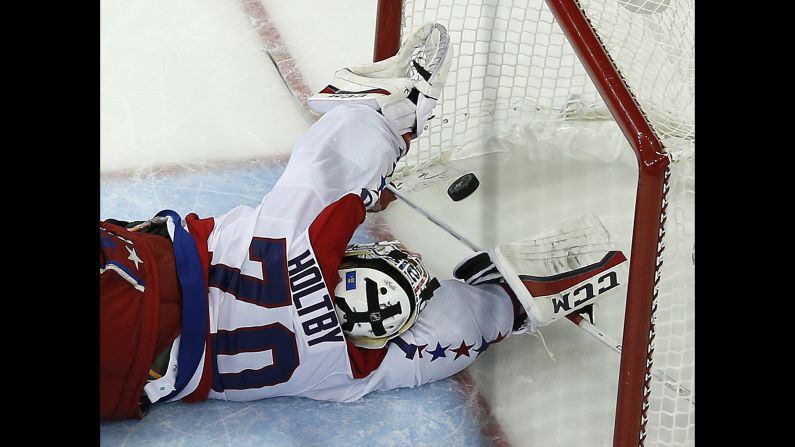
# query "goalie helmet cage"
(513, 57)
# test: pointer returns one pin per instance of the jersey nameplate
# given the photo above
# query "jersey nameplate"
(316, 312)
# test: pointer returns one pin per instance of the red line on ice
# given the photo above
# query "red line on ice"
(269, 35)
(480, 410)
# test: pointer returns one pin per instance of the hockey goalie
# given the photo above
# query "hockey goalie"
(274, 301)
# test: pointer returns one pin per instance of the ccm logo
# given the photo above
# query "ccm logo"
(585, 292)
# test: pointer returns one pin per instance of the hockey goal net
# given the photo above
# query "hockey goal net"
(531, 64)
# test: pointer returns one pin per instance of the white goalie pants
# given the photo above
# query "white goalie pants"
(458, 324)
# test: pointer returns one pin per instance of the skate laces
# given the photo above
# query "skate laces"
(537, 333)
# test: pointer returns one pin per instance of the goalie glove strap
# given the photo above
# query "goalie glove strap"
(402, 114)
(427, 90)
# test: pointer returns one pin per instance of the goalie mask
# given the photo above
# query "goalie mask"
(382, 290)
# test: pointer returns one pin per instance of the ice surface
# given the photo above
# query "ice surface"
(434, 415)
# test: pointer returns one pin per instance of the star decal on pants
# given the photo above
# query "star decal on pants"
(438, 352)
(462, 350)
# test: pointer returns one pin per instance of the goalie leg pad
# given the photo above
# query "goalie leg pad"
(560, 272)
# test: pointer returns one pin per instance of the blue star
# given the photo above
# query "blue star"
(483, 346)
(438, 352)
(383, 183)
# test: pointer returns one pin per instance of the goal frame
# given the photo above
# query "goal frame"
(650, 203)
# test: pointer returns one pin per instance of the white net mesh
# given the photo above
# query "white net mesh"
(515, 80)
(512, 67)
(672, 397)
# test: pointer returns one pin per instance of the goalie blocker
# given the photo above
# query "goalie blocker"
(553, 274)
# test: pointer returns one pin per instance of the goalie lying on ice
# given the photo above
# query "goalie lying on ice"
(273, 301)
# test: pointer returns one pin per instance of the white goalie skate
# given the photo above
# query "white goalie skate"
(404, 88)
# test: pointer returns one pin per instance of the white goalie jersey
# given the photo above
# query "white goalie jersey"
(272, 328)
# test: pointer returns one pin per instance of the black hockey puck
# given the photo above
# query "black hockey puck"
(463, 187)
